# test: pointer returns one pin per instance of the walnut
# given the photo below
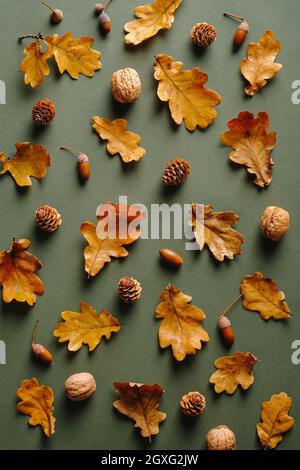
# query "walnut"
(274, 223)
(80, 386)
(126, 85)
(221, 438)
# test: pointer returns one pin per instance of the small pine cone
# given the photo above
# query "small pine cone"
(43, 112)
(176, 172)
(203, 34)
(192, 404)
(129, 289)
(47, 218)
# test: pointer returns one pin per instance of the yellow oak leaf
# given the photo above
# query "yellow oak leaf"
(214, 230)
(17, 274)
(150, 20)
(29, 160)
(275, 420)
(140, 402)
(120, 140)
(252, 145)
(74, 55)
(189, 101)
(86, 327)
(34, 65)
(180, 325)
(233, 371)
(260, 294)
(259, 66)
(37, 402)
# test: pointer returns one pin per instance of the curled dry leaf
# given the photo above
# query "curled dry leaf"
(86, 327)
(275, 420)
(37, 402)
(252, 144)
(120, 140)
(17, 274)
(29, 160)
(34, 65)
(259, 66)
(233, 371)
(260, 294)
(189, 101)
(150, 20)
(180, 325)
(214, 230)
(140, 402)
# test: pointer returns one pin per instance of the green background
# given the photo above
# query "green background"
(134, 354)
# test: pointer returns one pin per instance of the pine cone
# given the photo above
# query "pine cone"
(203, 34)
(192, 404)
(43, 112)
(129, 289)
(47, 218)
(176, 172)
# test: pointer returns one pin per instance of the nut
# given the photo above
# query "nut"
(171, 256)
(80, 386)
(126, 85)
(274, 223)
(221, 438)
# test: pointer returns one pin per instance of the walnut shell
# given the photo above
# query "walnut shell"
(221, 438)
(80, 386)
(274, 223)
(126, 85)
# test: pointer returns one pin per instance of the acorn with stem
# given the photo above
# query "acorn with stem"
(57, 15)
(103, 18)
(241, 31)
(38, 349)
(83, 162)
(224, 324)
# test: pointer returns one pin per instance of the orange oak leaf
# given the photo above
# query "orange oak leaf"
(34, 65)
(275, 420)
(260, 294)
(37, 402)
(119, 139)
(17, 274)
(259, 66)
(189, 101)
(86, 327)
(180, 325)
(233, 371)
(214, 230)
(140, 402)
(29, 160)
(252, 144)
(150, 20)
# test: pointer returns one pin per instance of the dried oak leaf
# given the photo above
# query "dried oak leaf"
(120, 140)
(275, 420)
(259, 65)
(140, 402)
(214, 230)
(37, 402)
(29, 160)
(151, 19)
(253, 145)
(17, 274)
(180, 325)
(189, 101)
(260, 294)
(233, 371)
(74, 55)
(86, 327)
(34, 65)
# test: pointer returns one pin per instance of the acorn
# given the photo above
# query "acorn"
(83, 163)
(99, 7)
(226, 330)
(37, 349)
(241, 31)
(57, 15)
(104, 22)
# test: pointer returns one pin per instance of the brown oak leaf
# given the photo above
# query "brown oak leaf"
(275, 420)
(233, 371)
(252, 144)
(140, 402)
(37, 402)
(180, 325)
(17, 274)
(34, 65)
(260, 294)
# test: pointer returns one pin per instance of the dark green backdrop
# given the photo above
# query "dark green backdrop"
(134, 354)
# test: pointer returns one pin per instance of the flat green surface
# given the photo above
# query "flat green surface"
(134, 354)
